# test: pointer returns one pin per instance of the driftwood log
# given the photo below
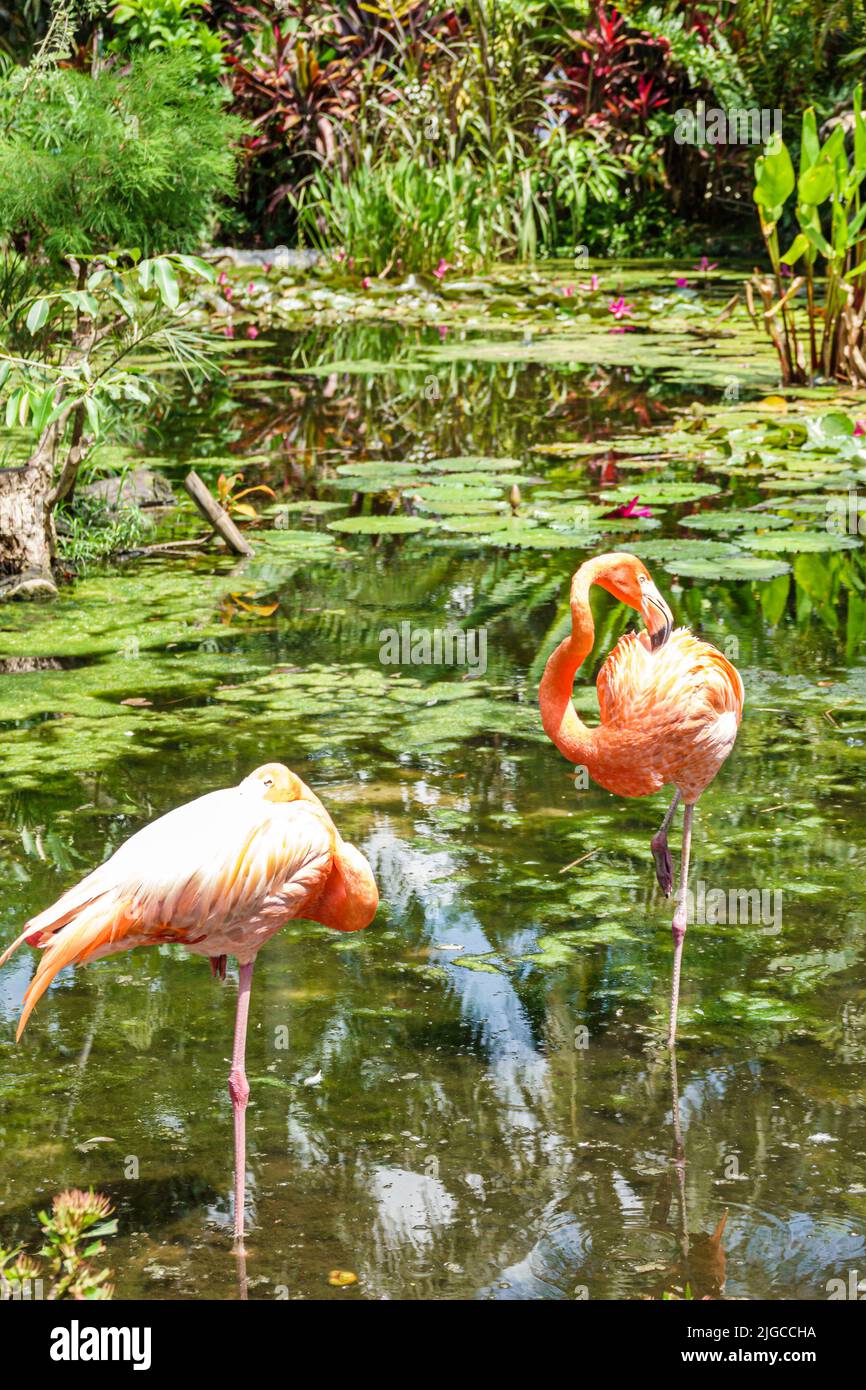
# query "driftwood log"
(216, 515)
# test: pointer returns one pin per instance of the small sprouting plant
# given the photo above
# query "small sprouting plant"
(230, 498)
(72, 1236)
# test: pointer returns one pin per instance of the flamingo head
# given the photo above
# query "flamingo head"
(628, 579)
(275, 782)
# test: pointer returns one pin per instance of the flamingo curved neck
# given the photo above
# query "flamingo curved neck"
(558, 715)
(350, 897)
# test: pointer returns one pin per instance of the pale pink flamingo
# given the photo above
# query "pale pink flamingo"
(670, 706)
(220, 875)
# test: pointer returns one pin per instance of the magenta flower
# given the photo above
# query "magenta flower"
(859, 428)
(366, 282)
(442, 329)
(442, 269)
(592, 286)
(252, 331)
(620, 309)
(568, 291)
(705, 264)
(629, 509)
(682, 283)
(228, 292)
(229, 331)
(251, 289)
(222, 278)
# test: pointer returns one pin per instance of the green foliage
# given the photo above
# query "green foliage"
(49, 24)
(712, 67)
(85, 343)
(89, 532)
(172, 26)
(410, 213)
(789, 49)
(399, 212)
(138, 156)
(830, 215)
(71, 1235)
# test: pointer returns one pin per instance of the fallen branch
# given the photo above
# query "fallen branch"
(216, 515)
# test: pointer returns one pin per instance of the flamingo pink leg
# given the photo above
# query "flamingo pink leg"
(240, 1092)
(678, 926)
(661, 853)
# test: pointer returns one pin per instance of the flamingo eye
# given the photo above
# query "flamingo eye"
(269, 781)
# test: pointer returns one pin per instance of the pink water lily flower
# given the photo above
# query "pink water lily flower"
(629, 509)
(251, 288)
(592, 286)
(366, 282)
(252, 331)
(859, 428)
(442, 269)
(222, 278)
(229, 331)
(705, 264)
(620, 309)
(682, 283)
(568, 291)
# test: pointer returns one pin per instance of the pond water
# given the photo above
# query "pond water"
(474, 1100)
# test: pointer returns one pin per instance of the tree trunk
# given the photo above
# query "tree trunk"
(27, 539)
(28, 495)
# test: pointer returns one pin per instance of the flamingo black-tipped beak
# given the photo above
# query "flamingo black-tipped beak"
(657, 616)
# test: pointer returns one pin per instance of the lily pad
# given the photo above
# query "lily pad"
(676, 548)
(466, 463)
(729, 567)
(478, 525)
(463, 507)
(663, 494)
(435, 493)
(802, 542)
(735, 521)
(380, 525)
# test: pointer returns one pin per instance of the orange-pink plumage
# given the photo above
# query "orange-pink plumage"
(219, 875)
(669, 704)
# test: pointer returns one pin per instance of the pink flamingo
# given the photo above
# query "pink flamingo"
(220, 875)
(670, 707)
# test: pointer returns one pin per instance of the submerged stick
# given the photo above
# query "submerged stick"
(216, 515)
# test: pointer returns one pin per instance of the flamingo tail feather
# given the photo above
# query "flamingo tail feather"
(71, 940)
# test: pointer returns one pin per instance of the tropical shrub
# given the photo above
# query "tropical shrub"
(138, 156)
(170, 26)
(830, 214)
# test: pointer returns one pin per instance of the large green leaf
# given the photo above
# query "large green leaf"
(775, 181)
